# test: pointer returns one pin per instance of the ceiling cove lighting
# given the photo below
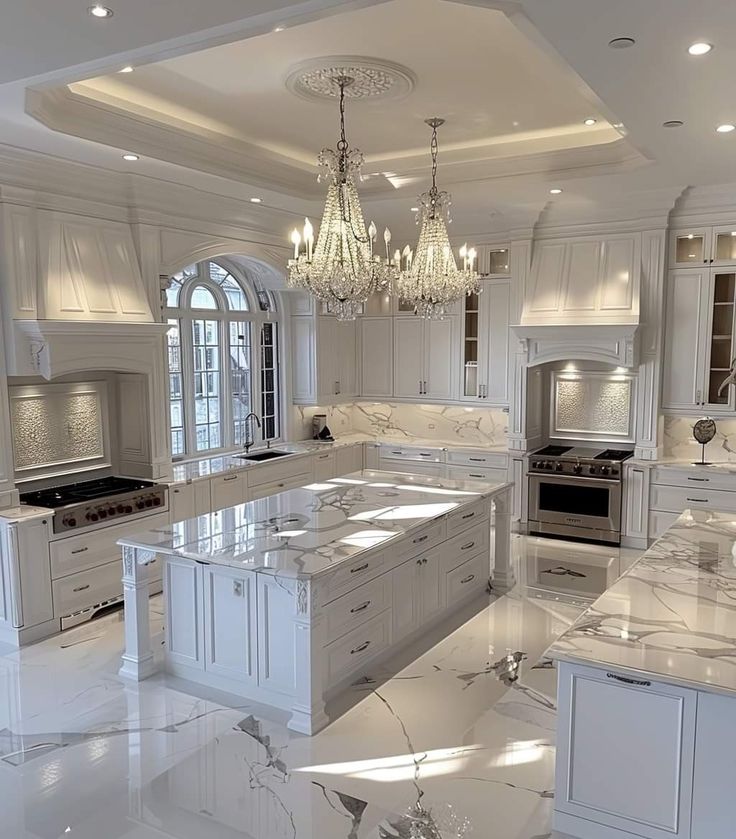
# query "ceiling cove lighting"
(431, 280)
(341, 271)
(726, 128)
(100, 11)
(700, 48)
(129, 156)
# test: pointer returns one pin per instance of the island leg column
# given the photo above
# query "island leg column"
(503, 573)
(308, 711)
(137, 660)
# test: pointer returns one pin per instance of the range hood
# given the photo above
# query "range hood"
(582, 301)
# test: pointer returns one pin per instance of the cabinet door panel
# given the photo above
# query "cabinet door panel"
(408, 357)
(230, 623)
(686, 320)
(324, 466)
(276, 644)
(183, 612)
(440, 352)
(346, 357)
(496, 321)
(431, 593)
(377, 357)
(618, 272)
(546, 279)
(328, 366)
(183, 502)
(584, 259)
(303, 360)
(405, 607)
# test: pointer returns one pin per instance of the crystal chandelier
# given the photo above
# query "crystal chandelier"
(341, 271)
(430, 279)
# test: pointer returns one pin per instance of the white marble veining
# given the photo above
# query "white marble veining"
(721, 467)
(679, 443)
(672, 616)
(457, 743)
(306, 531)
(24, 512)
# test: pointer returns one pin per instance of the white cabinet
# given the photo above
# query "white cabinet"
(183, 606)
(376, 360)
(416, 592)
(703, 246)
(230, 623)
(486, 344)
(348, 459)
(229, 490)
(324, 466)
(625, 754)
(699, 340)
(324, 359)
(425, 358)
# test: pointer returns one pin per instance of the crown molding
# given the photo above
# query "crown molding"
(711, 205)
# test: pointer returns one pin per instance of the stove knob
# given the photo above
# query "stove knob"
(92, 516)
(591, 469)
(139, 504)
(605, 470)
(156, 502)
(577, 469)
(558, 467)
(614, 470)
(128, 510)
(121, 509)
(148, 502)
(535, 464)
(102, 514)
(71, 522)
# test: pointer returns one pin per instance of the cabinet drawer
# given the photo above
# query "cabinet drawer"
(272, 473)
(470, 473)
(428, 455)
(693, 478)
(352, 573)
(228, 490)
(421, 541)
(471, 576)
(355, 608)
(284, 485)
(78, 553)
(87, 588)
(466, 517)
(470, 542)
(347, 654)
(478, 459)
(677, 499)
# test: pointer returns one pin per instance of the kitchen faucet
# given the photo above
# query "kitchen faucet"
(249, 441)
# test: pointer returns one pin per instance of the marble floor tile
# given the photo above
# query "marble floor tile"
(448, 742)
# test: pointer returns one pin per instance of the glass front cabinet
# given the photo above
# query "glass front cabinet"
(703, 246)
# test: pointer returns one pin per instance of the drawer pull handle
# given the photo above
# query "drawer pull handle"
(468, 516)
(700, 480)
(80, 550)
(231, 478)
(421, 562)
(477, 459)
(393, 452)
(468, 546)
(627, 681)
(420, 539)
(475, 475)
(323, 457)
(176, 491)
(361, 608)
(81, 588)
(425, 454)
(467, 579)
(698, 500)
(359, 649)
(359, 568)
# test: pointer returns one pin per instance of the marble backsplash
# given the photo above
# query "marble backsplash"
(446, 423)
(680, 444)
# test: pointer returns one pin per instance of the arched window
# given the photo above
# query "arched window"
(223, 350)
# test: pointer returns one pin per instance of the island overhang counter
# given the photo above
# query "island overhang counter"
(647, 694)
(287, 599)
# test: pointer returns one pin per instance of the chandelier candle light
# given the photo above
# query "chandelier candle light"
(342, 270)
(430, 279)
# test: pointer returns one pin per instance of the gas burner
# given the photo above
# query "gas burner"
(615, 454)
(553, 451)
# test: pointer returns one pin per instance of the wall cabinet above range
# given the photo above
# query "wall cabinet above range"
(699, 340)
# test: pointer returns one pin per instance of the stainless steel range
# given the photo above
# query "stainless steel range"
(575, 492)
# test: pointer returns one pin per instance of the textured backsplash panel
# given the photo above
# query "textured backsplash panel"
(592, 405)
(55, 426)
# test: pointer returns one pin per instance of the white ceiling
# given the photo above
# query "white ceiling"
(543, 65)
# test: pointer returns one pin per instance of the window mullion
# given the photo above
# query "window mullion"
(226, 399)
(187, 366)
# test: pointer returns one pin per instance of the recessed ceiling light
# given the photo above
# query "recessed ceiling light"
(733, 232)
(726, 128)
(673, 123)
(256, 200)
(555, 191)
(621, 43)
(700, 48)
(279, 29)
(100, 11)
(690, 235)
(127, 69)
(413, 209)
(590, 121)
(130, 156)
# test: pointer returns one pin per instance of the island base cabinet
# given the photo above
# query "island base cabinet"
(625, 756)
(230, 623)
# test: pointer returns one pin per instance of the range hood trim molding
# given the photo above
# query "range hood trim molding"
(615, 344)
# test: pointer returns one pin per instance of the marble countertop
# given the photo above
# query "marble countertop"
(307, 531)
(23, 512)
(672, 615)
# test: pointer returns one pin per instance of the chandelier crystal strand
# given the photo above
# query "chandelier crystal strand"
(430, 279)
(341, 271)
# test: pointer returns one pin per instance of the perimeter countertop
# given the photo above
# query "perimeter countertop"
(307, 531)
(672, 615)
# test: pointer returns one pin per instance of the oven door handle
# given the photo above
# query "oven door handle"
(551, 478)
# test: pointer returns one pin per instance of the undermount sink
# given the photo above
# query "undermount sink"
(267, 455)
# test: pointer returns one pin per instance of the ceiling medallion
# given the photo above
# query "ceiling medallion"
(372, 78)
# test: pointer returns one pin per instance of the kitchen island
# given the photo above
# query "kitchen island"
(647, 694)
(287, 599)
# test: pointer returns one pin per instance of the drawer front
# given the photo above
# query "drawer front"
(357, 607)
(272, 473)
(292, 482)
(80, 591)
(428, 455)
(228, 490)
(677, 499)
(693, 478)
(470, 577)
(471, 473)
(475, 540)
(478, 459)
(347, 654)
(78, 553)
(421, 541)
(411, 467)
(467, 517)
(349, 575)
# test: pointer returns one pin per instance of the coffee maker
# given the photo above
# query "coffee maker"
(320, 429)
